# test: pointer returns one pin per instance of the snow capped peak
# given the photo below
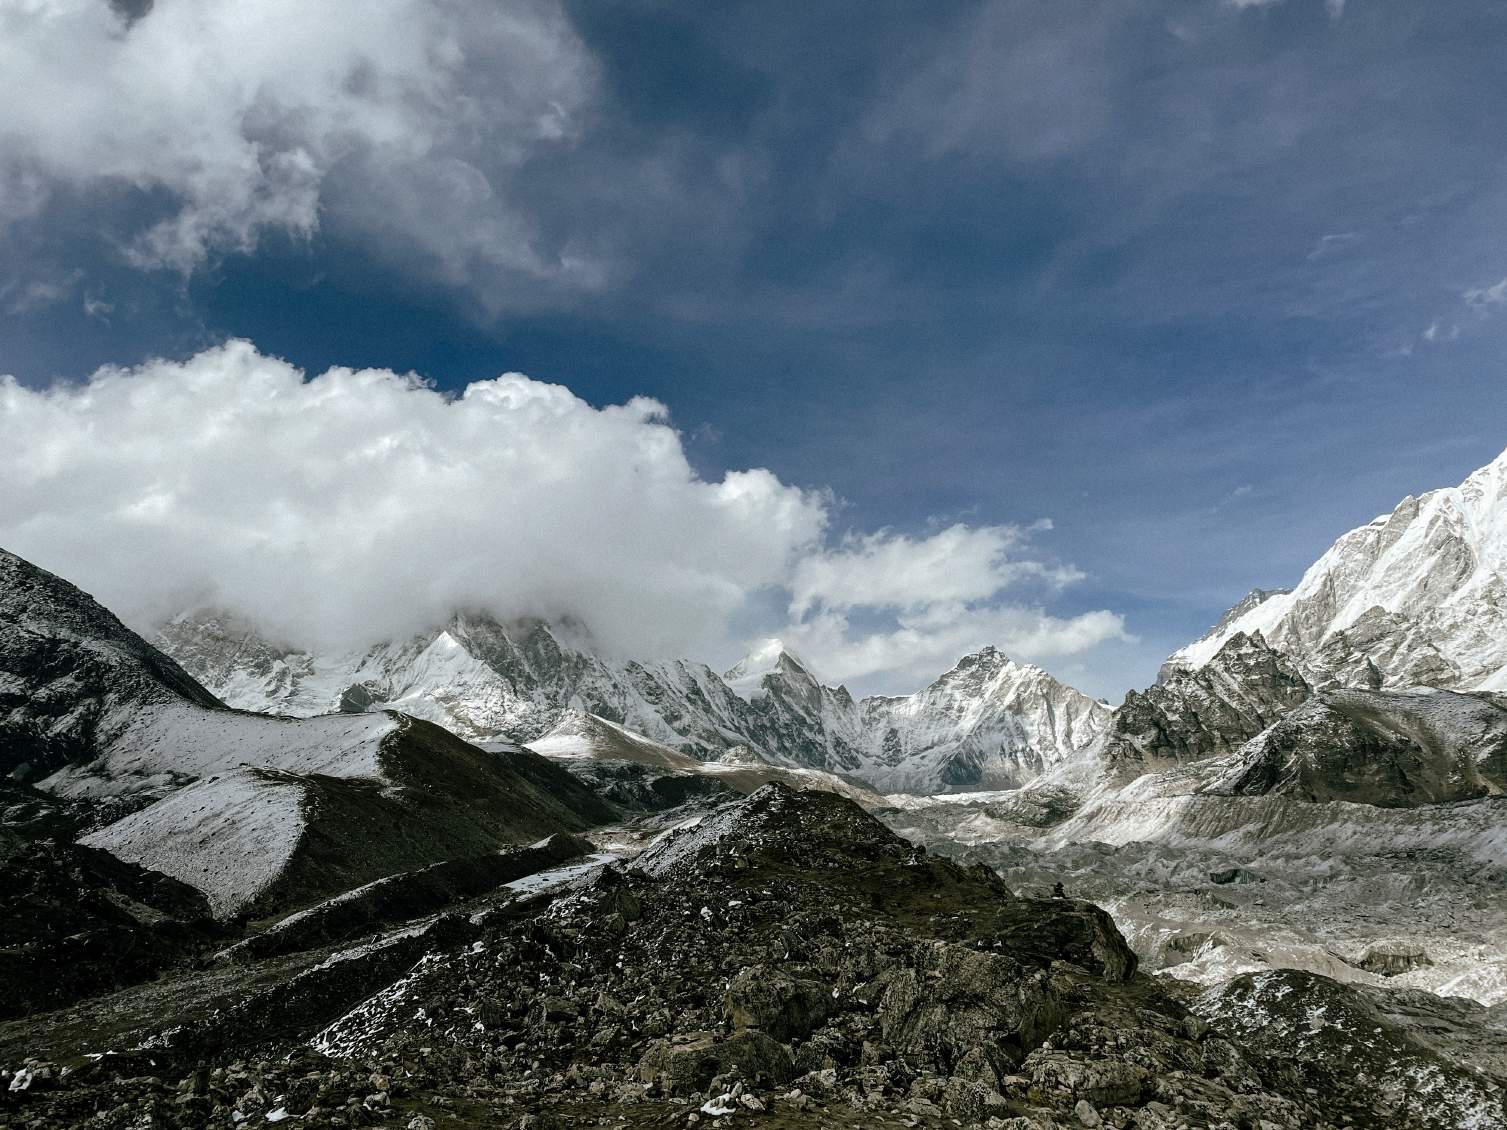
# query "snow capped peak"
(765, 658)
(1415, 596)
(770, 657)
(988, 719)
(987, 660)
(990, 672)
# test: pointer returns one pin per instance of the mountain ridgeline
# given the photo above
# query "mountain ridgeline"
(987, 723)
(254, 810)
(1416, 598)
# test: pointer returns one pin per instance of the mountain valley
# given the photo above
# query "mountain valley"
(482, 878)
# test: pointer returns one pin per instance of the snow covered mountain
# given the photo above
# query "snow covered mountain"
(1417, 597)
(989, 722)
(73, 678)
(251, 809)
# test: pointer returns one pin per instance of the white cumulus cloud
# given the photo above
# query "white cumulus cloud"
(353, 506)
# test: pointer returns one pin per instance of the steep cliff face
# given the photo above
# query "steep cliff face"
(1417, 597)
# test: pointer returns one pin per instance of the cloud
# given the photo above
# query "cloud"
(1329, 244)
(1334, 8)
(889, 571)
(1437, 331)
(1485, 297)
(918, 647)
(353, 506)
(38, 293)
(404, 119)
(1031, 83)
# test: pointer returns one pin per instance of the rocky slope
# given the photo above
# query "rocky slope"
(1202, 712)
(1417, 597)
(73, 678)
(989, 722)
(631, 769)
(252, 810)
(787, 962)
(1394, 749)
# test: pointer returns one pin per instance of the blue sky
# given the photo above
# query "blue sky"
(1203, 283)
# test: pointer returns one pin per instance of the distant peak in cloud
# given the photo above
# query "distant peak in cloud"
(360, 505)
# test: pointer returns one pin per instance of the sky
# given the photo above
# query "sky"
(892, 330)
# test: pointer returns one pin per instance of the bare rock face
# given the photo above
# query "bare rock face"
(1391, 749)
(767, 998)
(1196, 714)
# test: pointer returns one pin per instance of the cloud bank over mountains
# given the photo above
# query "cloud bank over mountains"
(351, 506)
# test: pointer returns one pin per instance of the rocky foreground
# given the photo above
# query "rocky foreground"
(786, 961)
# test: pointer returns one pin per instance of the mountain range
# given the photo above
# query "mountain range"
(1417, 597)
(987, 723)
(1292, 818)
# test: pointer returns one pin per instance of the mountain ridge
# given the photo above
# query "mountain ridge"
(1416, 596)
(987, 722)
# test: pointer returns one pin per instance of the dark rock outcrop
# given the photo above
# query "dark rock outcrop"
(1208, 712)
(76, 922)
(1392, 749)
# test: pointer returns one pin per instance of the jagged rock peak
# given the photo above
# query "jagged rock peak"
(1197, 713)
(987, 661)
(770, 657)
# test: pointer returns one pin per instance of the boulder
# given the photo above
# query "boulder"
(689, 1062)
(955, 1000)
(785, 1007)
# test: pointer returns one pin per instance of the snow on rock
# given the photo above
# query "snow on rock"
(1289, 827)
(167, 746)
(579, 734)
(989, 721)
(1415, 597)
(231, 835)
(1341, 1041)
(746, 677)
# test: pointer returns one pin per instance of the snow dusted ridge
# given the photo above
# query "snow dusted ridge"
(255, 810)
(232, 836)
(1415, 597)
(989, 722)
(169, 746)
